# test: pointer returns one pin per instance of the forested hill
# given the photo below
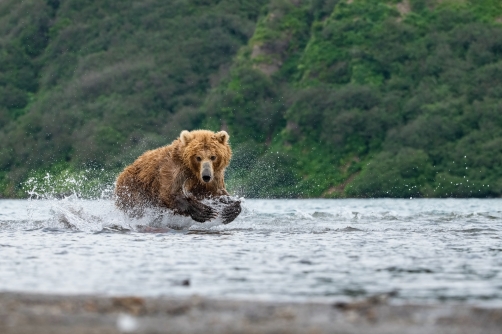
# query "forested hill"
(332, 98)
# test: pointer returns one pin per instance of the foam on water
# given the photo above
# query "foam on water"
(426, 250)
(78, 214)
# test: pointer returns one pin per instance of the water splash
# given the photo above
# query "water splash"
(79, 202)
(88, 184)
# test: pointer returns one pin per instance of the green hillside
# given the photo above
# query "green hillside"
(332, 98)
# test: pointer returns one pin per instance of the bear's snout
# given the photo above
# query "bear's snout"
(207, 172)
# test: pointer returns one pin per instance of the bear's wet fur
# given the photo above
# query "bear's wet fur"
(178, 176)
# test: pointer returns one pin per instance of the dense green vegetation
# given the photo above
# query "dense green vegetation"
(333, 98)
(91, 84)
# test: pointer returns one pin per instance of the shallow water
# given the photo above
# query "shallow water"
(425, 250)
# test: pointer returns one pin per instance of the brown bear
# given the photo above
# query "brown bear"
(178, 176)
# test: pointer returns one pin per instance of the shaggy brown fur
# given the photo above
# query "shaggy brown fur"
(178, 176)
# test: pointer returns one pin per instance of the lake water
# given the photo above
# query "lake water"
(426, 250)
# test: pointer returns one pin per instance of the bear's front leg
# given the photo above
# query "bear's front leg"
(192, 207)
(231, 211)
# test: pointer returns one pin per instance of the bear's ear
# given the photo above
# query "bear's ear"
(185, 137)
(222, 137)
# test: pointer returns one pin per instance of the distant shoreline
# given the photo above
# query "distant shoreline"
(50, 313)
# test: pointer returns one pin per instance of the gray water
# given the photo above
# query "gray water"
(329, 250)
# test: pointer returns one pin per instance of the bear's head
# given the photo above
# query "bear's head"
(205, 153)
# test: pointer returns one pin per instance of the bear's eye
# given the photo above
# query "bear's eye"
(199, 158)
(213, 157)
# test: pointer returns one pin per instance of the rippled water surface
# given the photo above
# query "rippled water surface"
(425, 250)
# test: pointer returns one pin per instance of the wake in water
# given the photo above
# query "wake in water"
(77, 214)
(74, 209)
